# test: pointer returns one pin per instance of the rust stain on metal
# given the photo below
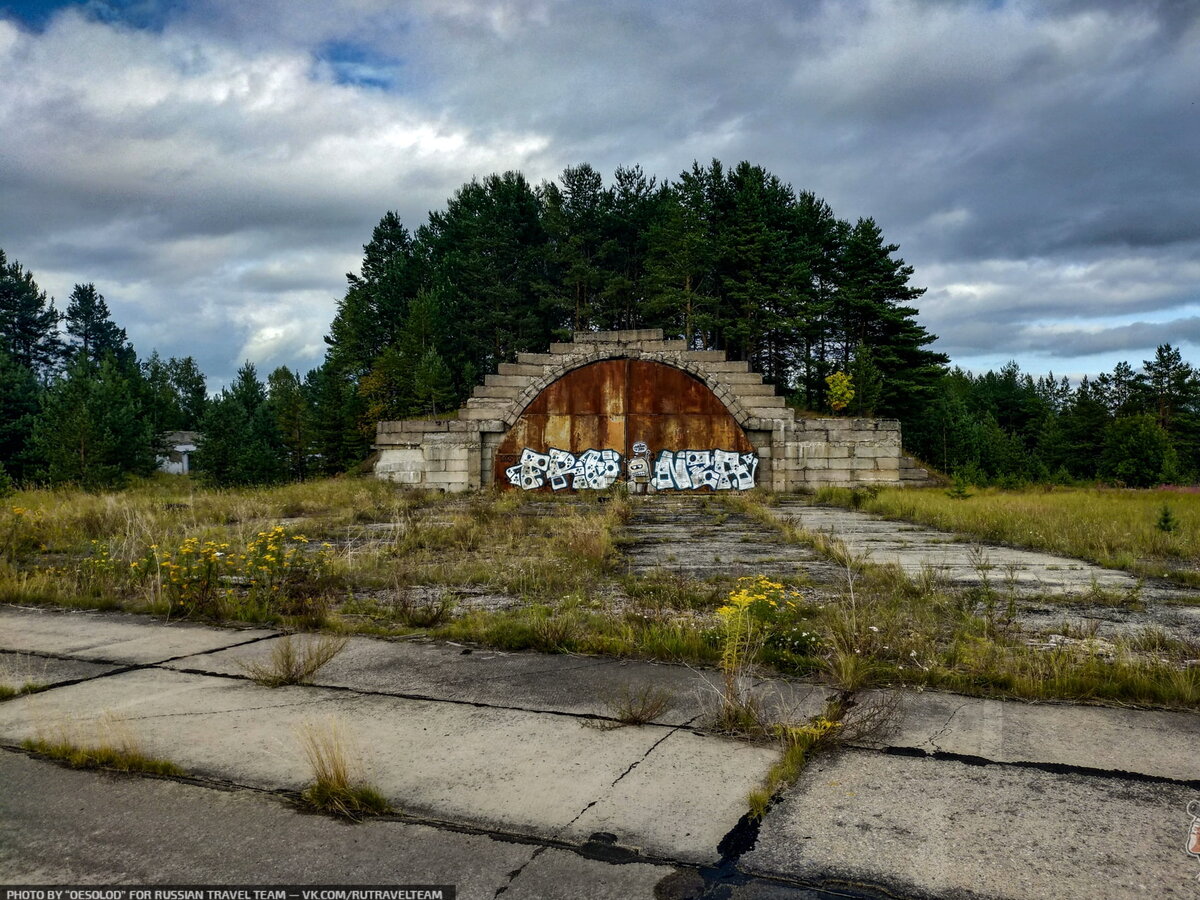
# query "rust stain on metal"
(615, 403)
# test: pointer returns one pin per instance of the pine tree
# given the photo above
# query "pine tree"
(635, 202)
(191, 390)
(92, 429)
(945, 433)
(339, 438)
(868, 382)
(376, 303)
(1172, 391)
(1084, 422)
(872, 309)
(433, 390)
(28, 321)
(489, 249)
(161, 399)
(575, 217)
(240, 442)
(1121, 391)
(1137, 452)
(292, 415)
(19, 396)
(679, 279)
(91, 329)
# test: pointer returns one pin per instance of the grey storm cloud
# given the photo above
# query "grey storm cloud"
(217, 173)
(1082, 342)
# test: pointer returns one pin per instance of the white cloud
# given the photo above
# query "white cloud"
(214, 177)
(200, 186)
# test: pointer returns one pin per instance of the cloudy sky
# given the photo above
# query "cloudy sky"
(215, 166)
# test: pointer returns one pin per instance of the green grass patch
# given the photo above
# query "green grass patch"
(101, 756)
(7, 692)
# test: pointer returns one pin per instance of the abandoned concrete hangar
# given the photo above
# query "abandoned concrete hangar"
(630, 406)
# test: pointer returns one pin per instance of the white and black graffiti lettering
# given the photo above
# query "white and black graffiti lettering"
(592, 470)
(721, 470)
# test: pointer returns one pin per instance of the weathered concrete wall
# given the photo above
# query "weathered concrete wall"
(432, 453)
(794, 453)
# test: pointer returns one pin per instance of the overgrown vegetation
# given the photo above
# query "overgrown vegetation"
(516, 571)
(883, 626)
(335, 788)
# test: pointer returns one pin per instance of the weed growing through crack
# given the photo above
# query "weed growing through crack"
(799, 743)
(843, 720)
(639, 705)
(294, 660)
(741, 639)
(112, 745)
(334, 789)
(15, 680)
(7, 692)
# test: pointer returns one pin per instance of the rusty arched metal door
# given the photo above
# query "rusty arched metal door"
(616, 405)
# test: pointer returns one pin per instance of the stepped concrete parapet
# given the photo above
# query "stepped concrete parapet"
(790, 452)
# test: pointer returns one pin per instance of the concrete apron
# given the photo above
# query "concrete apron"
(953, 558)
(668, 792)
(964, 798)
(940, 828)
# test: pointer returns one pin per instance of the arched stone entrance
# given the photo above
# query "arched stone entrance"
(583, 430)
(704, 411)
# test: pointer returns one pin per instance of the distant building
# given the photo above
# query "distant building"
(180, 445)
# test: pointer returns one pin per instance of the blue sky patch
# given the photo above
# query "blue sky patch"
(358, 65)
(146, 14)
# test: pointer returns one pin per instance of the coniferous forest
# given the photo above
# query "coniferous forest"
(726, 259)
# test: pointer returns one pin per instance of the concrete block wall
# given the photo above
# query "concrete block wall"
(443, 454)
(809, 453)
(794, 453)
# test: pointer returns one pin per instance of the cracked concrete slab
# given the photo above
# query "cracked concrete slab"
(702, 539)
(20, 669)
(512, 770)
(1146, 742)
(59, 826)
(133, 640)
(580, 685)
(660, 805)
(561, 874)
(932, 828)
(1108, 622)
(914, 548)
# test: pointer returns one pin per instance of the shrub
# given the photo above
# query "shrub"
(1166, 520)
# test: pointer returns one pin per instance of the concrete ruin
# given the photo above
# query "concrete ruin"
(630, 406)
